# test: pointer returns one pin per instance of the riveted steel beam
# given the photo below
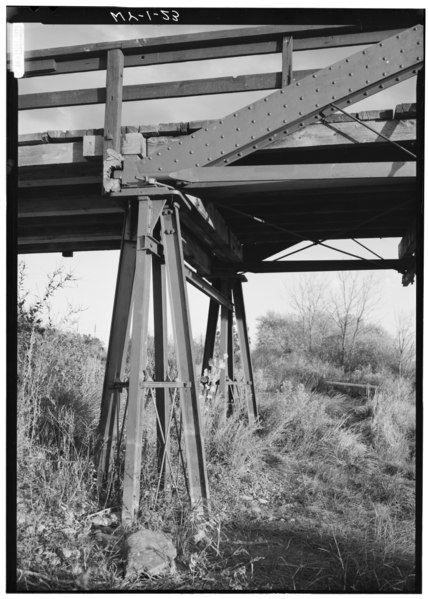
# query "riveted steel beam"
(190, 409)
(291, 174)
(270, 266)
(244, 344)
(269, 119)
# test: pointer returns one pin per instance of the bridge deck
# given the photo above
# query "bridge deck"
(324, 182)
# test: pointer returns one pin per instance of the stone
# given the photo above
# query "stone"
(149, 552)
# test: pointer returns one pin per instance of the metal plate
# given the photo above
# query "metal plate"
(267, 120)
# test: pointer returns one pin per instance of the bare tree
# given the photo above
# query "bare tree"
(405, 341)
(355, 299)
(309, 301)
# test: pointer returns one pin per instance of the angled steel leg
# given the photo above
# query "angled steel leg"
(224, 338)
(131, 482)
(122, 302)
(226, 347)
(241, 324)
(161, 365)
(192, 426)
(210, 335)
(229, 365)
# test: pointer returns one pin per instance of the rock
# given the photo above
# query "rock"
(149, 552)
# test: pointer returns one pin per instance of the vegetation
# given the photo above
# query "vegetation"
(318, 495)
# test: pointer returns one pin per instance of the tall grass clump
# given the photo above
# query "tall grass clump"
(394, 423)
(60, 375)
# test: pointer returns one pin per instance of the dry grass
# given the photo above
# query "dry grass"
(318, 496)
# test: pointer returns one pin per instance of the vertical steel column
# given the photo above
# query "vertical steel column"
(210, 335)
(230, 355)
(116, 349)
(225, 348)
(192, 426)
(161, 364)
(241, 324)
(131, 482)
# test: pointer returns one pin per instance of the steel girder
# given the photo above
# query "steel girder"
(281, 113)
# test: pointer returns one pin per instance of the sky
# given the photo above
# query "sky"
(96, 272)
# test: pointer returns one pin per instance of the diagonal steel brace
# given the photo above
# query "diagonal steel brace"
(266, 121)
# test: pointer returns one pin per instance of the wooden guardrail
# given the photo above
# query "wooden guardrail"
(200, 46)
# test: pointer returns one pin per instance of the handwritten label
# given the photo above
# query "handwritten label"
(145, 16)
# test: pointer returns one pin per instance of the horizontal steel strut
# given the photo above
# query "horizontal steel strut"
(267, 120)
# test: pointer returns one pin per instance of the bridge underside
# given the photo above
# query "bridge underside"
(338, 180)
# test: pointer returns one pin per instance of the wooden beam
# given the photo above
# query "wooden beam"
(309, 266)
(342, 40)
(113, 100)
(45, 66)
(30, 182)
(71, 238)
(405, 111)
(202, 46)
(287, 61)
(51, 154)
(212, 227)
(155, 91)
(136, 144)
(187, 40)
(402, 112)
(345, 133)
(112, 118)
(60, 246)
(204, 223)
(78, 151)
(195, 254)
(66, 205)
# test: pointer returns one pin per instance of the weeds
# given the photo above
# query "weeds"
(317, 495)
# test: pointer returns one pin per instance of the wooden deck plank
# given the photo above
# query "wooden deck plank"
(74, 205)
(36, 152)
(402, 112)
